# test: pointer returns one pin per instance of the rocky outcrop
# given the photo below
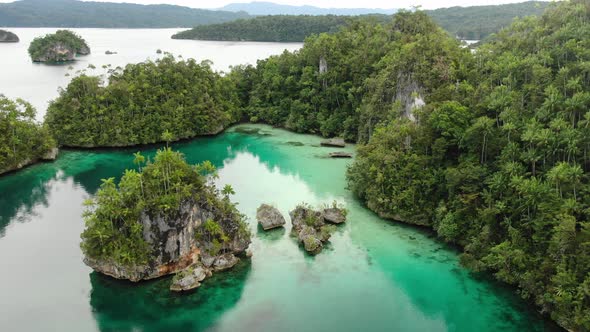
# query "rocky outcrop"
(190, 278)
(8, 37)
(334, 143)
(179, 242)
(409, 94)
(340, 154)
(334, 215)
(269, 217)
(48, 156)
(57, 52)
(312, 228)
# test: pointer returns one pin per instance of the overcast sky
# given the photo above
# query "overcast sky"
(426, 4)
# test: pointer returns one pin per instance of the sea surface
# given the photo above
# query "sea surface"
(39, 83)
(375, 275)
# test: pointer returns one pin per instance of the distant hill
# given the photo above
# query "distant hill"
(474, 23)
(276, 28)
(269, 8)
(78, 14)
(478, 22)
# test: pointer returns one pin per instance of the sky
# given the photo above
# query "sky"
(426, 4)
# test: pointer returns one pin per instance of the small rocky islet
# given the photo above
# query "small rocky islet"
(312, 228)
(8, 37)
(61, 46)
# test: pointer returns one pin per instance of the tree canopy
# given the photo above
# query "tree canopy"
(498, 163)
(23, 140)
(114, 229)
(140, 102)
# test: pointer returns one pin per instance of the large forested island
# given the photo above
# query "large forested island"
(24, 141)
(63, 45)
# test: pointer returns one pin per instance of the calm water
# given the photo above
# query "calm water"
(39, 83)
(374, 276)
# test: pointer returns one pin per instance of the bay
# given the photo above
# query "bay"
(39, 83)
(375, 275)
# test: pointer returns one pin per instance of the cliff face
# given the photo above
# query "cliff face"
(57, 52)
(8, 37)
(175, 244)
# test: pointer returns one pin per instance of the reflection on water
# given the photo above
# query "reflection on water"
(374, 274)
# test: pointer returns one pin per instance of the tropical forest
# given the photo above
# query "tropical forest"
(385, 167)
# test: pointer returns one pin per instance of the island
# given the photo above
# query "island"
(23, 141)
(8, 37)
(62, 46)
(164, 217)
(313, 228)
(183, 98)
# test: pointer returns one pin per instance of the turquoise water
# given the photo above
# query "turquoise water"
(375, 275)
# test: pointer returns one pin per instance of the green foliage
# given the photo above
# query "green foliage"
(478, 22)
(40, 46)
(472, 23)
(23, 140)
(113, 220)
(181, 99)
(275, 28)
(323, 87)
(498, 161)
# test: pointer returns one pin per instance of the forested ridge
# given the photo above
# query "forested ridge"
(88, 14)
(474, 23)
(276, 28)
(499, 164)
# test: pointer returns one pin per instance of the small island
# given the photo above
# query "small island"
(8, 37)
(166, 217)
(62, 46)
(23, 141)
(314, 228)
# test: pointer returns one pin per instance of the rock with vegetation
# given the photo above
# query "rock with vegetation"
(23, 141)
(61, 46)
(269, 217)
(183, 98)
(334, 143)
(189, 278)
(162, 219)
(312, 228)
(8, 37)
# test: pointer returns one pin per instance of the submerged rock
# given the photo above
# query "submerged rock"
(110, 52)
(225, 262)
(334, 142)
(8, 37)
(269, 217)
(340, 154)
(190, 278)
